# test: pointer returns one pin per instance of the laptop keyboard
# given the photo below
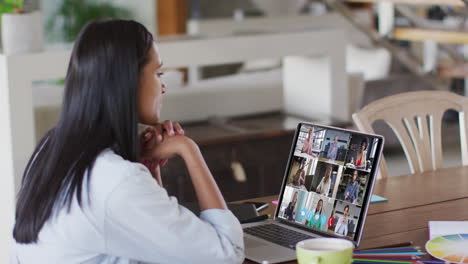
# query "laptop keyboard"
(277, 234)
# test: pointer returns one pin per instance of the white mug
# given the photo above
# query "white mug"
(325, 251)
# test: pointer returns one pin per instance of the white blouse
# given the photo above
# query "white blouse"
(324, 187)
(129, 218)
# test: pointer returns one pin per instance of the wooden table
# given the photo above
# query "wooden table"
(414, 200)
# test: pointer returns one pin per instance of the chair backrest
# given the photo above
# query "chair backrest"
(416, 119)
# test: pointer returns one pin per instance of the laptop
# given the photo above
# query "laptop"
(325, 192)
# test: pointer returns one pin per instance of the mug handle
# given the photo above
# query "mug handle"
(315, 260)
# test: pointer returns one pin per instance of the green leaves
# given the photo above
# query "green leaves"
(8, 6)
(71, 16)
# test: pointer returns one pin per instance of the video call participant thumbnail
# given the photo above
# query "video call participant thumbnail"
(317, 211)
(325, 183)
(308, 144)
(333, 149)
(335, 146)
(294, 199)
(316, 217)
(361, 153)
(324, 179)
(351, 193)
(290, 211)
(299, 170)
(345, 217)
(341, 226)
(361, 156)
(353, 185)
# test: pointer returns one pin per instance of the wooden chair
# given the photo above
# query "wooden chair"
(416, 119)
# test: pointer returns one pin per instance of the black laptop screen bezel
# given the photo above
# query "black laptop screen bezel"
(367, 195)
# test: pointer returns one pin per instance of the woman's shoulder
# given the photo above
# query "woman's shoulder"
(110, 170)
(110, 163)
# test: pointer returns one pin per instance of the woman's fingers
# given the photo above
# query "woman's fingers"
(178, 129)
(158, 131)
(147, 139)
(154, 166)
(156, 134)
(163, 162)
(146, 135)
(168, 127)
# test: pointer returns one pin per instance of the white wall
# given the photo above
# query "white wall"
(7, 185)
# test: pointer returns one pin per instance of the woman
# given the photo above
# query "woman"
(299, 176)
(352, 189)
(341, 227)
(361, 157)
(289, 212)
(324, 186)
(84, 196)
(308, 144)
(315, 218)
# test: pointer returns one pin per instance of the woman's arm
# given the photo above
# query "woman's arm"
(327, 188)
(320, 186)
(346, 228)
(207, 191)
(338, 224)
(355, 193)
(364, 156)
(149, 138)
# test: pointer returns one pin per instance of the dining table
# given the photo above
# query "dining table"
(413, 201)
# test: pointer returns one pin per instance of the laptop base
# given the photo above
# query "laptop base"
(260, 250)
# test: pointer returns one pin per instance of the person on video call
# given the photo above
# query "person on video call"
(352, 189)
(308, 144)
(324, 186)
(92, 191)
(289, 212)
(299, 177)
(333, 149)
(361, 156)
(341, 227)
(315, 217)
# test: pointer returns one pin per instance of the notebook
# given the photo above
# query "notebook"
(378, 199)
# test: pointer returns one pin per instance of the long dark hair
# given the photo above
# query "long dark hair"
(321, 208)
(364, 141)
(99, 111)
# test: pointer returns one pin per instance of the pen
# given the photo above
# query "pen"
(387, 249)
(256, 219)
(406, 244)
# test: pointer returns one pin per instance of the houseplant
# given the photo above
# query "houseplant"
(21, 31)
(71, 16)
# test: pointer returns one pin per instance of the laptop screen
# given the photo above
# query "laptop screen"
(329, 179)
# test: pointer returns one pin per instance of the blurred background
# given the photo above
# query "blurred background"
(242, 73)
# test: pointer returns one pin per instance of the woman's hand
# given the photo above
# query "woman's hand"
(171, 144)
(154, 135)
(175, 146)
(150, 138)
